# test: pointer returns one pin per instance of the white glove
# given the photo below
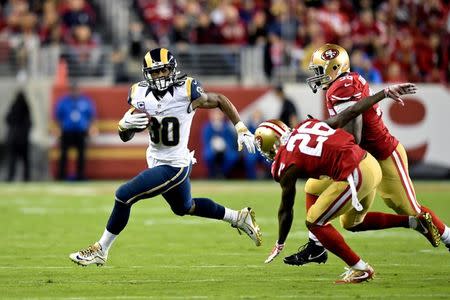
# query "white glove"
(245, 137)
(395, 91)
(133, 121)
(275, 252)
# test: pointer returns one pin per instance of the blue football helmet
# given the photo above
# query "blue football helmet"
(156, 60)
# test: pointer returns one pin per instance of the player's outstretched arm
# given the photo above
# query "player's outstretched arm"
(213, 100)
(285, 211)
(394, 92)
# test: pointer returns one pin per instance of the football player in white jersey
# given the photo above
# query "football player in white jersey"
(165, 103)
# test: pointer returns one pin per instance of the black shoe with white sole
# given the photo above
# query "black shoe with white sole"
(308, 253)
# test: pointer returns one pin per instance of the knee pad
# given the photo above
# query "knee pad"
(317, 186)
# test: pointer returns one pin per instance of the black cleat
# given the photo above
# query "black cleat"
(448, 246)
(309, 252)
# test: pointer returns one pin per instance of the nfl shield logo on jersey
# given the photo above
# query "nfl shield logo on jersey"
(141, 104)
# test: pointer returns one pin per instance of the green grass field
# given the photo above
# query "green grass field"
(163, 256)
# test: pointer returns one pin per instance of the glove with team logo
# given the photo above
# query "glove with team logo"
(395, 91)
(245, 137)
(276, 250)
(134, 121)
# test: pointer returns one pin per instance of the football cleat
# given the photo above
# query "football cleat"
(246, 222)
(448, 246)
(309, 252)
(356, 276)
(426, 227)
(91, 255)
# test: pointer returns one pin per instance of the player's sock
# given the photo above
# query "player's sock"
(231, 216)
(333, 241)
(377, 221)
(436, 221)
(207, 208)
(413, 222)
(118, 218)
(360, 265)
(314, 238)
(106, 240)
(445, 237)
(310, 199)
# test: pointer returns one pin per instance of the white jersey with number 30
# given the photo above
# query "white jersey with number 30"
(170, 121)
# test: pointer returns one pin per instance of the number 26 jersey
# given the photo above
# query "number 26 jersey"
(317, 149)
(170, 119)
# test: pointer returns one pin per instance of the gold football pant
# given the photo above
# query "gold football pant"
(336, 199)
(395, 189)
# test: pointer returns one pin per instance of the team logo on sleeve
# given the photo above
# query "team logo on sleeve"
(330, 54)
(200, 90)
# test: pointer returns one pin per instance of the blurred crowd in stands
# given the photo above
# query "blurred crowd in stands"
(28, 24)
(391, 40)
(394, 40)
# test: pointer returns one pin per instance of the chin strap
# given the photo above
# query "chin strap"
(355, 201)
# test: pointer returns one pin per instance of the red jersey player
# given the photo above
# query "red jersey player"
(314, 149)
(331, 65)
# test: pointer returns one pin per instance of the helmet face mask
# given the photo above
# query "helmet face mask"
(160, 69)
(328, 62)
(319, 80)
(268, 137)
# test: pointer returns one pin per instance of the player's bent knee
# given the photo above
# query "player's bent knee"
(400, 208)
(309, 219)
(310, 224)
(191, 209)
(353, 228)
(346, 224)
(180, 211)
(123, 193)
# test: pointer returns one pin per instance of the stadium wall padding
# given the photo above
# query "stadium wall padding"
(110, 158)
(421, 125)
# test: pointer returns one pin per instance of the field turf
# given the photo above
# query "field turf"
(163, 256)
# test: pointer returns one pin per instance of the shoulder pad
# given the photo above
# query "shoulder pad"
(194, 88)
(133, 89)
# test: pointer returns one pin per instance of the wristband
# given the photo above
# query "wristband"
(240, 127)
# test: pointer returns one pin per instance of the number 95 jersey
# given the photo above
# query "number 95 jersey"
(170, 120)
(316, 149)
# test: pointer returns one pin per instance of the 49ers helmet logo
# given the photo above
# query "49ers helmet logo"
(330, 54)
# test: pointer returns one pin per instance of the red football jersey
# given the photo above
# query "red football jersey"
(317, 149)
(344, 92)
